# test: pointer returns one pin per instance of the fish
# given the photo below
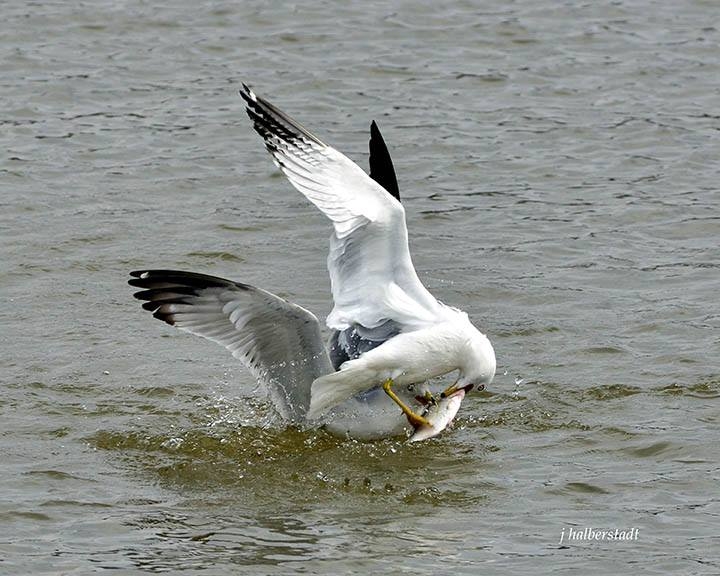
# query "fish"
(439, 413)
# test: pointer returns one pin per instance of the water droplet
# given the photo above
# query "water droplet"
(172, 443)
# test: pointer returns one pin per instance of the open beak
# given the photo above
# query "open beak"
(449, 391)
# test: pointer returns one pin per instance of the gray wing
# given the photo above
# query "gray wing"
(279, 342)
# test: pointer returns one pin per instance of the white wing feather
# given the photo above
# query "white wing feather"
(371, 272)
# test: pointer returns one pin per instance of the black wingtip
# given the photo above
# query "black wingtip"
(246, 93)
(271, 122)
(167, 318)
(381, 166)
(150, 278)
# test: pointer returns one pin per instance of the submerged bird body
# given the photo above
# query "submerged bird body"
(387, 329)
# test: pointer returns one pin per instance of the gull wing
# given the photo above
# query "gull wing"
(371, 272)
(279, 342)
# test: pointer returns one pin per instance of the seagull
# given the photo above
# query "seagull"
(389, 335)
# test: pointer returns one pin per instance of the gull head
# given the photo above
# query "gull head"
(477, 361)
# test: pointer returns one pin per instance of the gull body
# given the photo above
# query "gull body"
(412, 357)
(386, 326)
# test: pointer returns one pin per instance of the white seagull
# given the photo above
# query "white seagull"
(387, 329)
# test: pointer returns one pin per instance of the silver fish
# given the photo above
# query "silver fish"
(440, 414)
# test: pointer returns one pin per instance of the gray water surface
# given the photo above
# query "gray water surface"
(559, 167)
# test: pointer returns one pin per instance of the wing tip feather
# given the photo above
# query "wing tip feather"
(166, 317)
(271, 122)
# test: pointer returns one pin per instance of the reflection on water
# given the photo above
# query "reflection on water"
(272, 497)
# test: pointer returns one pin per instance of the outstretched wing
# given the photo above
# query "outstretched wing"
(372, 275)
(279, 342)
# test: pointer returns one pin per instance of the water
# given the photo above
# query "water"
(558, 164)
